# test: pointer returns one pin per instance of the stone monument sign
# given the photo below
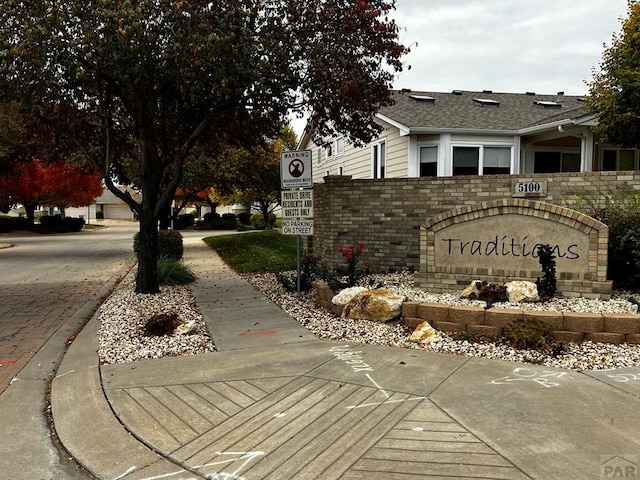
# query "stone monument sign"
(497, 242)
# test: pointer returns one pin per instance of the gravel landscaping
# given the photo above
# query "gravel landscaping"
(123, 337)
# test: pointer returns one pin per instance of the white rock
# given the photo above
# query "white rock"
(425, 334)
(344, 296)
(186, 328)
(522, 291)
(374, 305)
(466, 293)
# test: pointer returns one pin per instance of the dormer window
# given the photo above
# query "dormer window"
(485, 102)
(547, 104)
(423, 98)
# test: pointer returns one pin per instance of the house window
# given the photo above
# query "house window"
(481, 160)
(329, 150)
(615, 159)
(466, 160)
(496, 160)
(340, 146)
(428, 161)
(553, 162)
(319, 155)
(379, 159)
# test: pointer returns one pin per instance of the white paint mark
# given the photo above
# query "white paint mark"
(14, 379)
(382, 403)
(523, 374)
(418, 429)
(235, 475)
(132, 469)
(65, 373)
(279, 415)
(378, 386)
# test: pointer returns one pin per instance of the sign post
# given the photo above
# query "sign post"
(296, 182)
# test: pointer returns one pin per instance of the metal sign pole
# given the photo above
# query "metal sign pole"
(299, 266)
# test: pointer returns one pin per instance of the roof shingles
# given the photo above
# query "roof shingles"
(459, 111)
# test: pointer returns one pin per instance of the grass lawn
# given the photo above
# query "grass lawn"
(262, 251)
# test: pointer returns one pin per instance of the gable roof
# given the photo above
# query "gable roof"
(423, 112)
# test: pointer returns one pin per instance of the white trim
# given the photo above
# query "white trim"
(376, 144)
(404, 130)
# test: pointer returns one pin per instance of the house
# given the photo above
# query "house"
(429, 134)
(106, 206)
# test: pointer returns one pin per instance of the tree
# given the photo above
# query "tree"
(67, 184)
(61, 184)
(615, 90)
(149, 80)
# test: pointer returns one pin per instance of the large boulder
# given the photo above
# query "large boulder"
(522, 291)
(344, 296)
(425, 334)
(375, 305)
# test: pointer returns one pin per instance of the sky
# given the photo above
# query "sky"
(542, 46)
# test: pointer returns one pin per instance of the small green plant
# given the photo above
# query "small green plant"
(547, 284)
(174, 272)
(309, 271)
(527, 334)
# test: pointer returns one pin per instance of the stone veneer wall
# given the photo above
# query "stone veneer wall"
(565, 327)
(387, 214)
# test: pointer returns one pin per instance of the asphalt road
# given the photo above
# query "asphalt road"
(46, 280)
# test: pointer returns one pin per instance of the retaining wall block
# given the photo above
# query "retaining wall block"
(632, 338)
(434, 312)
(605, 337)
(410, 309)
(501, 317)
(449, 326)
(583, 322)
(466, 315)
(621, 322)
(412, 322)
(565, 336)
(486, 331)
(553, 320)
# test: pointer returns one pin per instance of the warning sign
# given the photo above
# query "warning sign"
(295, 169)
(296, 203)
(297, 227)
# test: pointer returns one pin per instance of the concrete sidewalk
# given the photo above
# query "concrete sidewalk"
(275, 402)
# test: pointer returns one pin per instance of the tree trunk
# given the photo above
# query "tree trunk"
(147, 280)
(264, 207)
(30, 211)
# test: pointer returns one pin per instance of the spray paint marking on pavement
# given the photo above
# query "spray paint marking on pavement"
(264, 332)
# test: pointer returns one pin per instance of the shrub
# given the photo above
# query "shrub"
(51, 223)
(184, 221)
(169, 244)
(257, 220)
(531, 333)
(348, 275)
(308, 274)
(8, 224)
(72, 224)
(211, 216)
(174, 272)
(547, 284)
(620, 211)
(213, 221)
(244, 218)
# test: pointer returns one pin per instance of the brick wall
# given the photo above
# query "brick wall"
(387, 214)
